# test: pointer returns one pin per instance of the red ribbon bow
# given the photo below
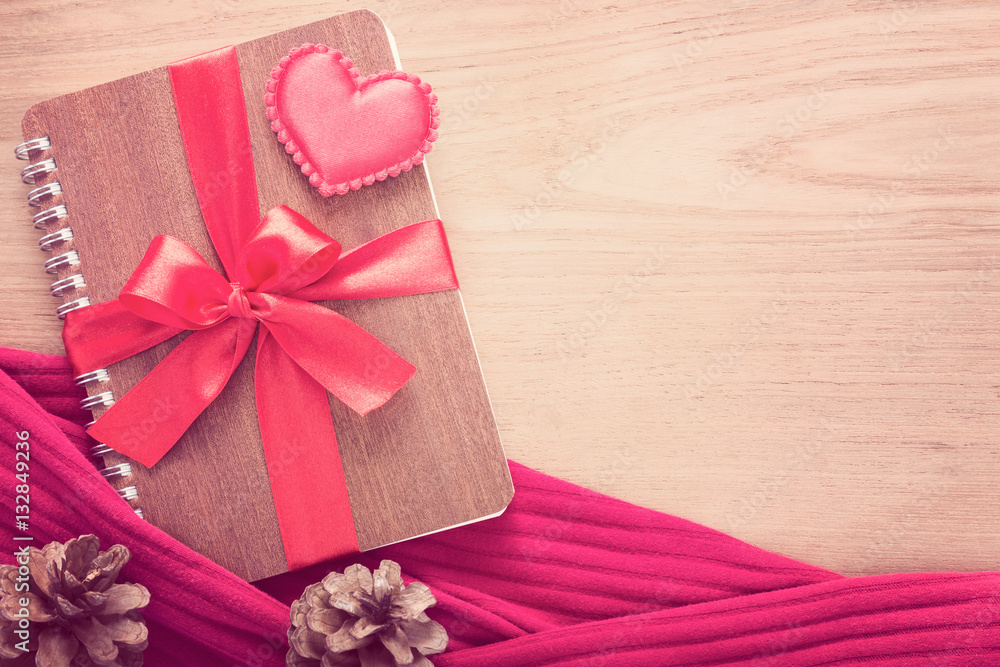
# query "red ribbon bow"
(285, 263)
(276, 266)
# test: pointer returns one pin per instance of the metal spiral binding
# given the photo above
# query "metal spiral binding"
(105, 399)
(120, 470)
(49, 242)
(29, 173)
(100, 375)
(71, 258)
(24, 148)
(100, 450)
(76, 304)
(42, 219)
(36, 196)
(60, 287)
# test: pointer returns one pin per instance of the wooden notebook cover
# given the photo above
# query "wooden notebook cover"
(429, 459)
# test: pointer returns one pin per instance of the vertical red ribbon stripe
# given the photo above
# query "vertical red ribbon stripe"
(300, 445)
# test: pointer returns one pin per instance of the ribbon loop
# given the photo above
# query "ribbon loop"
(286, 252)
(175, 286)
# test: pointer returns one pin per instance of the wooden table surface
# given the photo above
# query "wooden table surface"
(735, 261)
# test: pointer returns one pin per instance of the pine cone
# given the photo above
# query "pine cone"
(78, 615)
(357, 620)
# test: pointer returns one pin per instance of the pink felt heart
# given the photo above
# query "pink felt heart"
(346, 131)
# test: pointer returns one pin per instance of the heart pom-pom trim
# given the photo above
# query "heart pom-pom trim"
(308, 150)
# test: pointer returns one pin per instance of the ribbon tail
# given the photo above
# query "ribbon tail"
(147, 421)
(102, 334)
(414, 259)
(348, 361)
(303, 460)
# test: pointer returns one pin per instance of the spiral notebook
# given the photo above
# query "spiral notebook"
(108, 173)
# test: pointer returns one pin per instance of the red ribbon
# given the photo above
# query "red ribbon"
(275, 267)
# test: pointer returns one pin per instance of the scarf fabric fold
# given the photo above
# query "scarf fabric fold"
(566, 576)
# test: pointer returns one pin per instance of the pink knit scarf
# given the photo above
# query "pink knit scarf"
(566, 576)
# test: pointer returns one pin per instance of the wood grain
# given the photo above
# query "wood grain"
(429, 459)
(733, 260)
